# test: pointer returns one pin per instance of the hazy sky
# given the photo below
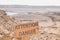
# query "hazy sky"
(30, 2)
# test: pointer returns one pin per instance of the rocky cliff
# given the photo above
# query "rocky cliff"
(6, 23)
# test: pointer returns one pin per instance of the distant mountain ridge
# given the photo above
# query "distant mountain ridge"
(27, 6)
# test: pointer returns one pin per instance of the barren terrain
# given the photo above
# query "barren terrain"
(49, 24)
(48, 18)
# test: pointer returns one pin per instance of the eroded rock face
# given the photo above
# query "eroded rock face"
(2, 12)
(6, 22)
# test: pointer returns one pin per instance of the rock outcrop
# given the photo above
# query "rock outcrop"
(6, 23)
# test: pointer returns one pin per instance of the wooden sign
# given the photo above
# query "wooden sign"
(24, 30)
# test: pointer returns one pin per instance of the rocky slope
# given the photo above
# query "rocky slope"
(6, 24)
